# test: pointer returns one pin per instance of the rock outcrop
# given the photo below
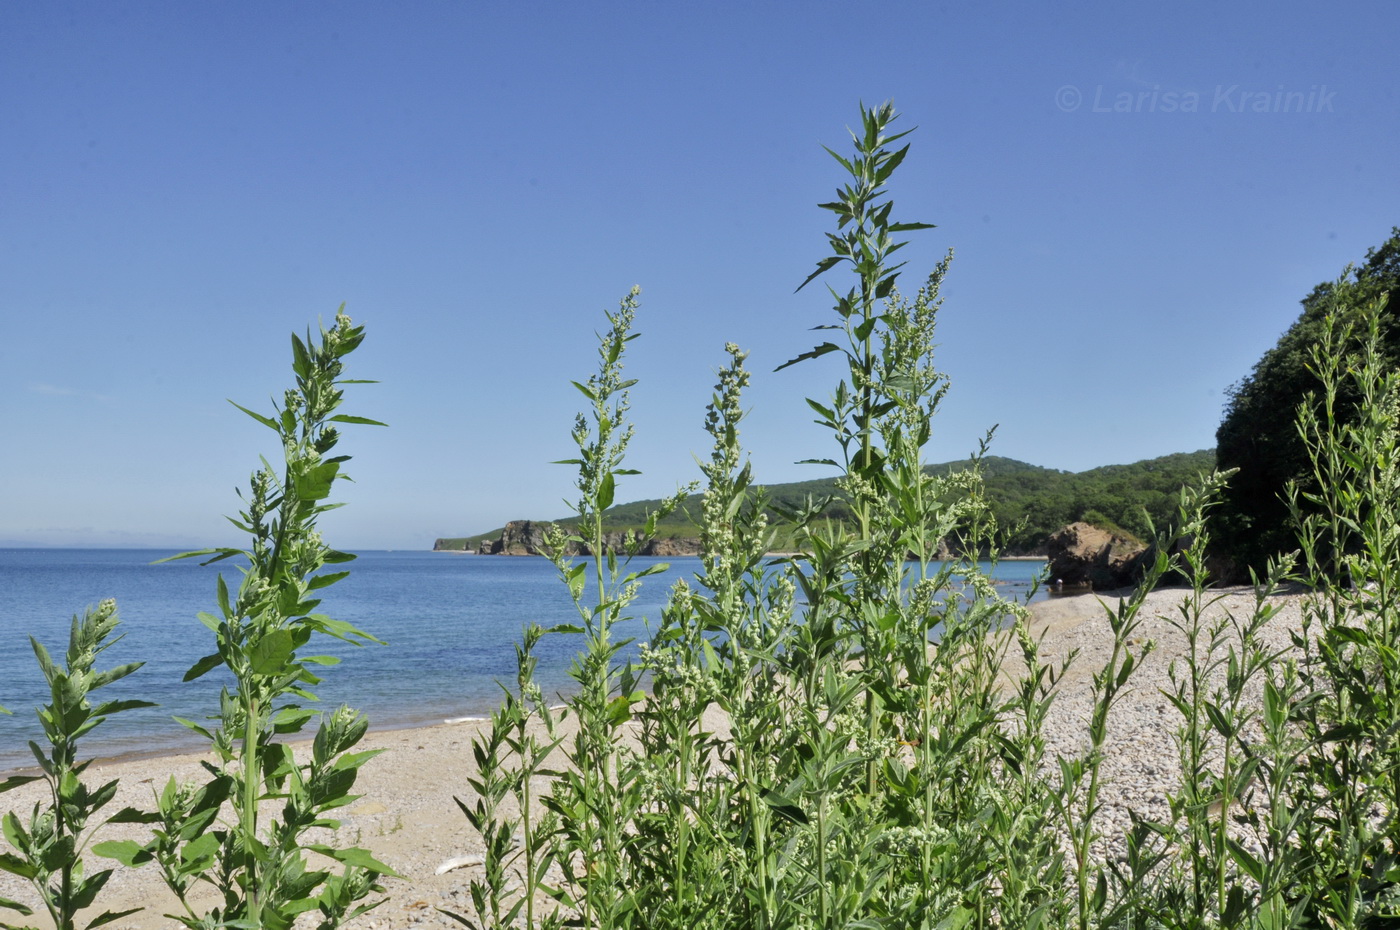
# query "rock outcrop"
(671, 547)
(1081, 554)
(527, 537)
(522, 537)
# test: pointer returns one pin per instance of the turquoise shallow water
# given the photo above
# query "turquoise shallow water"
(450, 621)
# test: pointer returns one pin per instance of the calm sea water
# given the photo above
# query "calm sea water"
(450, 621)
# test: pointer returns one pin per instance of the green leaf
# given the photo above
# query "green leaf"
(575, 577)
(353, 760)
(619, 710)
(271, 654)
(108, 916)
(844, 163)
(199, 854)
(1218, 719)
(785, 808)
(17, 866)
(959, 917)
(101, 679)
(45, 662)
(133, 815)
(204, 665)
(221, 593)
(301, 359)
(14, 781)
(340, 629)
(1342, 733)
(655, 568)
(360, 421)
(265, 421)
(115, 707)
(354, 856)
(325, 581)
(824, 265)
(824, 349)
(314, 484)
(60, 853)
(128, 852)
(201, 730)
(1245, 859)
(291, 719)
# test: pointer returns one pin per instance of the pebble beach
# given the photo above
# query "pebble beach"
(407, 816)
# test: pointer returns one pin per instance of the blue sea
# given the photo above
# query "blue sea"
(450, 622)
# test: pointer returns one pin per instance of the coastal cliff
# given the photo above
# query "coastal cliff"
(527, 537)
(1031, 502)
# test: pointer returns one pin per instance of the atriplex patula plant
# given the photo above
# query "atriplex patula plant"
(837, 792)
(598, 795)
(510, 754)
(1286, 814)
(258, 862)
(582, 824)
(1349, 782)
(926, 722)
(846, 738)
(49, 847)
(856, 762)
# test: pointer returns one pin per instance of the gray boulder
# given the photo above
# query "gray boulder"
(1083, 555)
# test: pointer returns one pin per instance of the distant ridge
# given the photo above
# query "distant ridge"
(1117, 497)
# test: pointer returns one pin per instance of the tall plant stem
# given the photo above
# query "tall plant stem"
(248, 809)
(866, 245)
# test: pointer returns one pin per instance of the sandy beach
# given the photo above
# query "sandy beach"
(408, 818)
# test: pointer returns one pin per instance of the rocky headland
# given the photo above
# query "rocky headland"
(528, 537)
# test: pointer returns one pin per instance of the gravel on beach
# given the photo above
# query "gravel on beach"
(408, 818)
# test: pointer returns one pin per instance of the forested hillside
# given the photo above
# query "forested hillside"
(1258, 434)
(1034, 500)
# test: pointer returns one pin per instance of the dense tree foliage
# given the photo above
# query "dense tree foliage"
(1258, 435)
(1129, 498)
(1029, 501)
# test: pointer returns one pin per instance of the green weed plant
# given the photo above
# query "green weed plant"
(854, 736)
(49, 845)
(256, 858)
(850, 737)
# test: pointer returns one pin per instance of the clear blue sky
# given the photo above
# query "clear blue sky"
(183, 184)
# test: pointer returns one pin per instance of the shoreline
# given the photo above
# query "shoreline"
(181, 750)
(167, 738)
(776, 554)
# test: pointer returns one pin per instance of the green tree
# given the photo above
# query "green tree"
(1257, 434)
